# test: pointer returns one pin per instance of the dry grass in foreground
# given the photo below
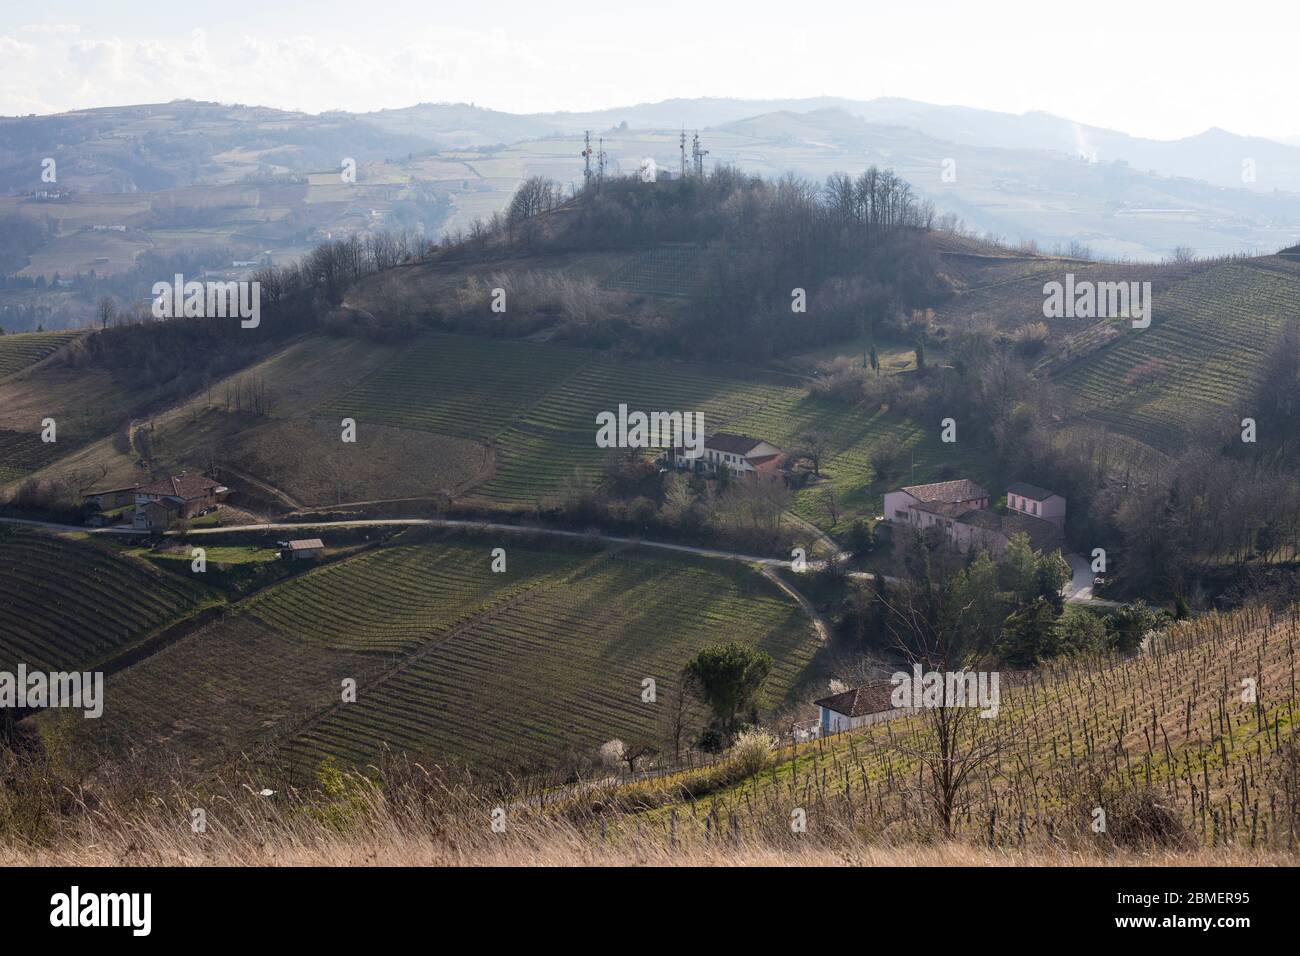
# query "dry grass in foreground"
(561, 848)
(421, 818)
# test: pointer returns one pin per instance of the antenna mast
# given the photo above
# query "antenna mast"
(586, 159)
(600, 156)
(698, 155)
(682, 145)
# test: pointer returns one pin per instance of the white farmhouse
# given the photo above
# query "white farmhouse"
(739, 454)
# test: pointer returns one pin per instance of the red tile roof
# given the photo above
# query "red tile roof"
(1043, 535)
(768, 464)
(867, 699)
(961, 489)
(110, 491)
(183, 486)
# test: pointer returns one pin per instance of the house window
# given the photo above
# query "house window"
(1035, 507)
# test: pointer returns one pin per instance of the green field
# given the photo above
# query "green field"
(457, 385)
(390, 601)
(557, 435)
(27, 348)
(71, 603)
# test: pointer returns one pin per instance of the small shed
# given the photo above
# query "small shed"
(857, 707)
(304, 548)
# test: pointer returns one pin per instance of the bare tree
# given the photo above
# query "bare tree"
(929, 624)
(105, 310)
(815, 445)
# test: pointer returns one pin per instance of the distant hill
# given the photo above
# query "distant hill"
(158, 146)
(1215, 156)
(210, 185)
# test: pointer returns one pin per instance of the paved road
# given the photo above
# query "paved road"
(476, 525)
(1078, 591)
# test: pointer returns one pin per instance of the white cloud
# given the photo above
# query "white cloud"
(51, 29)
(1148, 78)
(9, 47)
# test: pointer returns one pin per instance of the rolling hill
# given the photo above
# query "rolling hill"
(219, 186)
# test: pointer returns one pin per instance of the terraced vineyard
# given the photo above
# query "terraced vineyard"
(66, 603)
(452, 661)
(1010, 293)
(560, 670)
(556, 437)
(392, 600)
(1208, 336)
(458, 385)
(224, 690)
(24, 452)
(27, 348)
(672, 270)
(536, 403)
(847, 468)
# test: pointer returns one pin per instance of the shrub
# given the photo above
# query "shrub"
(752, 752)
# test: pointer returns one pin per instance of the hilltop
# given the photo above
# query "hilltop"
(225, 189)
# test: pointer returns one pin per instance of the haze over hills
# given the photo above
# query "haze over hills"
(1215, 155)
(214, 185)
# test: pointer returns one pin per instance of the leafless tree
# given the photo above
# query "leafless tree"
(105, 310)
(928, 628)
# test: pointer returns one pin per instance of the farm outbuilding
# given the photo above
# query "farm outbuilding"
(304, 548)
(111, 498)
(868, 704)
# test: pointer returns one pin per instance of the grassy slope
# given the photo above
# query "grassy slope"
(27, 348)
(301, 376)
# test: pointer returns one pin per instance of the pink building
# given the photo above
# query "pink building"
(961, 509)
(1037, 502)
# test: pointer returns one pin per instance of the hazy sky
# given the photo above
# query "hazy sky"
(1147, 67)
